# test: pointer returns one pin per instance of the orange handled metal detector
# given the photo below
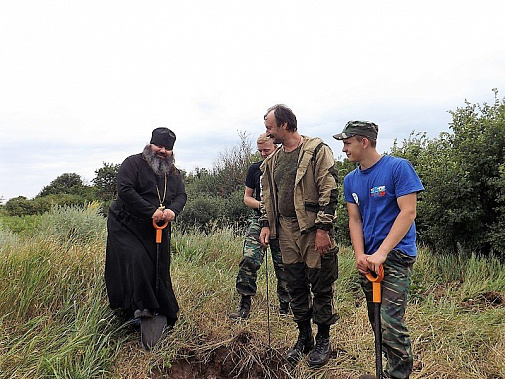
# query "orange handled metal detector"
(159, 229)
(376, 290)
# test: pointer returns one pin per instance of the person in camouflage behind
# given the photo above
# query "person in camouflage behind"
(381, 196)
(253, 251)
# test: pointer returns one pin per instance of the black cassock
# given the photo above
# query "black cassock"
(130, 262)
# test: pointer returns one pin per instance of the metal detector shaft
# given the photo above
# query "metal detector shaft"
(376, 290)
(268, 299)
(159, 229)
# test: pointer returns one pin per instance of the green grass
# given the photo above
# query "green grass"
(18, 224)
(55, 320)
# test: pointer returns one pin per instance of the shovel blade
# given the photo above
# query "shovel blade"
(151, 330)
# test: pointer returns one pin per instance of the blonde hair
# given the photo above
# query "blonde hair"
(263, 138)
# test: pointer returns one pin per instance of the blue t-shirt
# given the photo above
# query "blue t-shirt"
(375, 191)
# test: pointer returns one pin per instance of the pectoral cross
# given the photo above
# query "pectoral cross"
(161, 207)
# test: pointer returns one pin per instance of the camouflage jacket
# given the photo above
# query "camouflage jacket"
(315, 194)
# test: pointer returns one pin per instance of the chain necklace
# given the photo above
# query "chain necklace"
(162, 207)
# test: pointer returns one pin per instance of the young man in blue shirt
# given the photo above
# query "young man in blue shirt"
(381, 196)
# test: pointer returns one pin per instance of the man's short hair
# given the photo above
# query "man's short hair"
(283, 114)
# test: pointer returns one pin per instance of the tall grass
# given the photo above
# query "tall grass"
(55, 320)
(54, 315)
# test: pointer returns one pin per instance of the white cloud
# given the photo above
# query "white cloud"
(86, 82)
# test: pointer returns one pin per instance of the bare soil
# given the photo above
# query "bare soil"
(490, 299)
(237, 360)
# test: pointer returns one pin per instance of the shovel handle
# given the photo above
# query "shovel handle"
(376, 283)
(159, 228)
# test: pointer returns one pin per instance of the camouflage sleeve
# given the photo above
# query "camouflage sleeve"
(263, 220)
(326, 182)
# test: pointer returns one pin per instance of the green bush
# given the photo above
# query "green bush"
(73, 224)
(234, 210)
(497, 230)
(105, 185)
(216, 196)
(463, 172)
(20, 206)
(20, 224)
(200, 211)
(341, 223)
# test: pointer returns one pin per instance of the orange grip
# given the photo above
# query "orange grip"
(159, 228)
(376, 284)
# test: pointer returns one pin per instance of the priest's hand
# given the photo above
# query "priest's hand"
(168, 215)
(158, 215)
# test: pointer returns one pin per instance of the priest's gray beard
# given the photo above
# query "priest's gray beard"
(160, 167)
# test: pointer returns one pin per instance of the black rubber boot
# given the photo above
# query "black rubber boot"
(284, 308)
(244, 308)
(303, 345)
(321, 353)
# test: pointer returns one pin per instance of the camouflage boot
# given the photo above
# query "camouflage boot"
(244, 308)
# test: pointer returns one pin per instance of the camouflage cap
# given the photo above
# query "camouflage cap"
(358, 128)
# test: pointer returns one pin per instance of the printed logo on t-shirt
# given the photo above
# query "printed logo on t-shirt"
(378, 191)
(355, 197)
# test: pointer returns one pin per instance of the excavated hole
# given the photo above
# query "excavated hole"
(239, 359)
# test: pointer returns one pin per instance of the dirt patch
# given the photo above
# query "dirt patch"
(440, 291)
(485, 301)
(238, 359)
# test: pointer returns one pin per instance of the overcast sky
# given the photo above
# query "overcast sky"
(85, 82)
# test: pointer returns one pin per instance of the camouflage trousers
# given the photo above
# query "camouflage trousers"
(395, 336)
(310, 277)
(252, 259)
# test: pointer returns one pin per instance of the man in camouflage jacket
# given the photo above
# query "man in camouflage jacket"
(299, 194)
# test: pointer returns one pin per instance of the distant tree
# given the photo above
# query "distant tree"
(200, 211)
(46, 203)
(20, 206)
(231, 167)
(216, 195)
(105, 185)
(463, 172)
(65, 183)
(341, 222)
(202, 181)
(105, 181)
